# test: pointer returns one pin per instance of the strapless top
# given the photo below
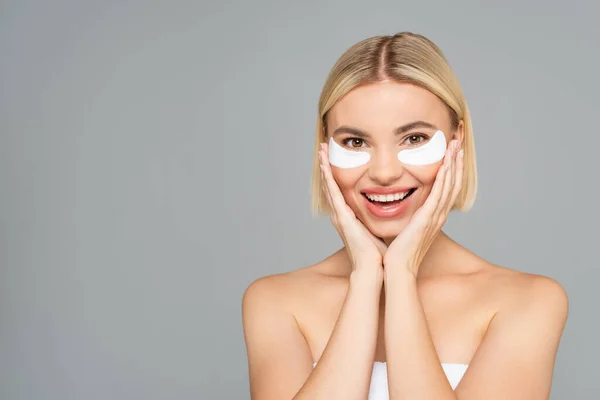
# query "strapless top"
(379, 383)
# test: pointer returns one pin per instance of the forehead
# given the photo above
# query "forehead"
(381, 107)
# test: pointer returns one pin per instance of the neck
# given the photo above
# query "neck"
(437, 261)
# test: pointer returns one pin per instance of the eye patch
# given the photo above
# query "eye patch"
(344, 158)
(429, 153)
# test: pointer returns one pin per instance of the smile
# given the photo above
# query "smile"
(385, 198)
(388, 205)
(389, 198)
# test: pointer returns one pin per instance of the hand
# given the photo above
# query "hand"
(364, 249)
(410, 246)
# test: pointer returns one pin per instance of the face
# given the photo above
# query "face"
(380, 121)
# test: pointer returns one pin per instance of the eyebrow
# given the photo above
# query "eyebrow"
(399, 131)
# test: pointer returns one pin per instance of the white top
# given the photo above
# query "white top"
(379, 382)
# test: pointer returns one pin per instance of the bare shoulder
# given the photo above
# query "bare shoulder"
(284, 288)
(516, 355)
(277, 347)
(296, 295)
(519, 290)
(266, 289)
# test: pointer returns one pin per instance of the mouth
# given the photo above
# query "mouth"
(388, 205)
(388, 200)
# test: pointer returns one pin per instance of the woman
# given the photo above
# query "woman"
(401, 311)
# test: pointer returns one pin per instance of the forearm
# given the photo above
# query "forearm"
(345, 367)
(414, 369)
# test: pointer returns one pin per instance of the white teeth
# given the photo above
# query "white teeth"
(385, 198)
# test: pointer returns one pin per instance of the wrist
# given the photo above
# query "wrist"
(367, 277)
(400, 273)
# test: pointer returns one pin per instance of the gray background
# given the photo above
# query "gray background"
(155, 159)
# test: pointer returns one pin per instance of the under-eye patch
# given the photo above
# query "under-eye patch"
(344, 158)
(429, 153)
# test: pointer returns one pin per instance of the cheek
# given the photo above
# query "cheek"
(425, 174)
(346, 179)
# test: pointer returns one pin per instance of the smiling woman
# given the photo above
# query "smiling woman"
(401, 311)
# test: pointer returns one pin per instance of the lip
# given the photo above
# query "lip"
(389, 190)
(388, 212)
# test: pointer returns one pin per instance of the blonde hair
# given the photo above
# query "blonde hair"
(404, 57)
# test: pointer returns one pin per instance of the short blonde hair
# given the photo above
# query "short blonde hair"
(404, 57)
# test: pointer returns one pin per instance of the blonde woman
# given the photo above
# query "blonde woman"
(401, 311)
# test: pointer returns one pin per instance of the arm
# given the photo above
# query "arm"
(514, 361)
(279, 358)
(414, 369)
(516, 357)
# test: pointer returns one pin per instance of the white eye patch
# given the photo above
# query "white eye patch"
(429, 153)
(343, 158)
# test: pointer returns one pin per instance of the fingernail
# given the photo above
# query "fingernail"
(461, 153)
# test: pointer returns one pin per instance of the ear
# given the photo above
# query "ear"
(459, 132)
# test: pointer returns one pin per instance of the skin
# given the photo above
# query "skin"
(400, 290)
(373, 109)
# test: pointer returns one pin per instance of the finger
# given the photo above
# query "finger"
(459, 173)
(326, 194)
(432, 200)
(333, 217)
(448, 180)
(336, 214)
(454, 158)
(325, 182)
(453, 187)
(378, 242)
(334, 190)
(332, 207)
(325, 188)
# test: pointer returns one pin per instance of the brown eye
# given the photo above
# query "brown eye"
(353, 143)
(415, 139)
(356, 142)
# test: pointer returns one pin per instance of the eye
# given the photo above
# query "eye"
(416, 139)
(354, 143)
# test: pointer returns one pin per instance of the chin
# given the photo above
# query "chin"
(387, 229)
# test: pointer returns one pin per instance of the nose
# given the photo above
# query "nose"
(385, 168)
